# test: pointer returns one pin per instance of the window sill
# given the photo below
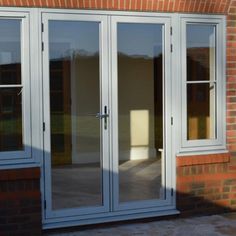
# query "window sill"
(8, 166)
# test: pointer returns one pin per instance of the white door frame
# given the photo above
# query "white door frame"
(112, 210)
(83, 211)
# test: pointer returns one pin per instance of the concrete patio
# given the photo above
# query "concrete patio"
(215, 225)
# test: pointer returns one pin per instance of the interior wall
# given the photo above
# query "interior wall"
(86, 104)
(136, 88)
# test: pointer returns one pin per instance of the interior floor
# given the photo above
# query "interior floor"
(81, 185)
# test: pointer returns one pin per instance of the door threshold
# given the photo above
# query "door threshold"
(107, 217)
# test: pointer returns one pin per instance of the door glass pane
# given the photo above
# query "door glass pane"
(74, 102)
(140, 107)
(201, 84)
(10, 119)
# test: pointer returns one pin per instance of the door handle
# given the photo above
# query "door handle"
(101, 116)
(104, 116)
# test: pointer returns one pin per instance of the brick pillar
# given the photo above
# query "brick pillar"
(20, 202)
(231, 82)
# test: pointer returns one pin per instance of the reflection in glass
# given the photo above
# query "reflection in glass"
(74, 102)
(11, 132)
(10, 119)
(10, 52)
(201, 85)
(200, 117)
(200, 52)
(140, 107)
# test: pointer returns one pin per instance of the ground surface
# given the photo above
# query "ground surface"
(216, 225)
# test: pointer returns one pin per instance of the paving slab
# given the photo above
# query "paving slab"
(215, 225)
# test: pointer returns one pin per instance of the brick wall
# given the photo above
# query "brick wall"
(206, 184)
(207, 6)
(20, 202)
(231, 82)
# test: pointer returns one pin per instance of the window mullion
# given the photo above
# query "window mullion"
(11, 86)
(201, 82)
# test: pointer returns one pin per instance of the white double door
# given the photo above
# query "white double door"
(107, 112)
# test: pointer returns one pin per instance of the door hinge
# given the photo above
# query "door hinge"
(171, 47)
(42, 46)
(172, 192)
(45, 204)
(171, 30)
(44, 126)
(42, 27)
(172, 120)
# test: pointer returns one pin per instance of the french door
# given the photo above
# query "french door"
(107, 107)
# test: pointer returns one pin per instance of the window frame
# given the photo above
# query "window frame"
(219, 143)
(18, 156)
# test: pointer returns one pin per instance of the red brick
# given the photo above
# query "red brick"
(138, 4)
(171, 6)
(205, 177)
(231, 140)
(231, 99)
(202, 159)
(233, 189)
(116, 6)
(20, 195)
(160, 6)
(231, 147)
(20, 201)
(183, 188)
(231, 106)
(165, 5)
(231, 80)
(32, 173)
(232, 168)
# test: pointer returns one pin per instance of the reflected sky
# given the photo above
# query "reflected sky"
(140, 40)
(79, 36)
(83, 37)
(199, 36)
(10, 35)
(134, 39)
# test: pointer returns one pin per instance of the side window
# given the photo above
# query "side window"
(14, 89)
(202, 83)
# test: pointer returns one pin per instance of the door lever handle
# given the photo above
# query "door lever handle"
(103, 116)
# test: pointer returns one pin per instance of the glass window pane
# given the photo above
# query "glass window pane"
(10, 119)
(140, 107)
(201, 111)
(10, 52)
(201, 52)
(74, 103)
